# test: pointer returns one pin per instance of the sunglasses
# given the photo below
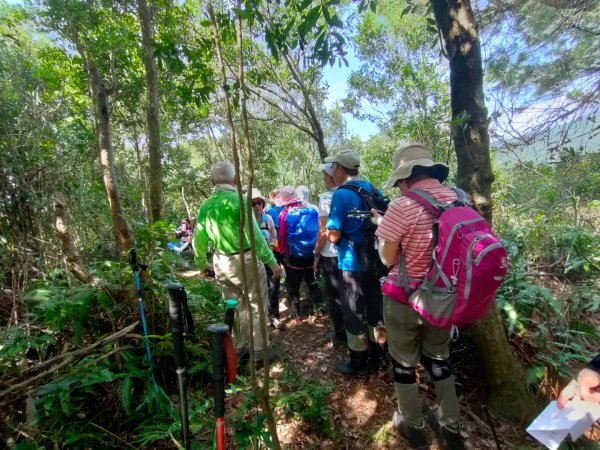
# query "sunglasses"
(257, 203)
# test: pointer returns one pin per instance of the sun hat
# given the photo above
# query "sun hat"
(286, 196)
(327, 168)
(347, 158)
(303, 193)
(256, 194)
(409, 156)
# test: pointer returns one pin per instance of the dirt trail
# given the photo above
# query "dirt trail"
(361, 409)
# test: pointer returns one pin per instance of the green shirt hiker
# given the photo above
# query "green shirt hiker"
(218, 221)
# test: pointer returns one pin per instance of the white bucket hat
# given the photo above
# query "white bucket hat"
(303, 193)
(256, 194)
(409, 156)
(327, 168)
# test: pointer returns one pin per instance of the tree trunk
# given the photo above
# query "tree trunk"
(264, 392)
(153, 112)
(309, 110)
(185, 204)
(141, 177)
(509, 396)
(70, 252)
(107, 160)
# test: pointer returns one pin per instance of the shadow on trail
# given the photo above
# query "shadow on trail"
(360, 410)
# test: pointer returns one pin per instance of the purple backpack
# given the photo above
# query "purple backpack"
(468, 265)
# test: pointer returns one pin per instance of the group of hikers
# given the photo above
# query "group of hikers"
(377, 261)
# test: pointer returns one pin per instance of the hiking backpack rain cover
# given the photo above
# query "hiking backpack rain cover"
(469, 263)
(302, 229)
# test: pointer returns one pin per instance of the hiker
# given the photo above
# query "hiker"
(304, 197)
(268, 231)
(586, 387)
(218, 220)
(184, 234)
(407, 226)
(273, 210)
(359, 291)
(326, 257)
(298, 228)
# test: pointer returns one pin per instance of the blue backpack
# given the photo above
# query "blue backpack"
(302, 229)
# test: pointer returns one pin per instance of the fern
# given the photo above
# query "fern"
(125, 391)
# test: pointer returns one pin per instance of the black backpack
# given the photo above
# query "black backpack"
(368, 249)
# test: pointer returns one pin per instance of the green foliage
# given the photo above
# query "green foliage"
(401, 84)
(549, 300)
(306, 401)
(17, 342)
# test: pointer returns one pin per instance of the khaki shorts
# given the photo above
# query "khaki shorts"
(409, 335)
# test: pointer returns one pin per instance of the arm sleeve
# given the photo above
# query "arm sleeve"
(282, 238)
(337, 213)
(594, 364)
(200, 243)
(391, 228)
(263, 252)
(272, 230)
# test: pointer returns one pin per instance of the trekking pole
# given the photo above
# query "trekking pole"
(136, 267)
(230, 308)
(224, 368)
(177, 297)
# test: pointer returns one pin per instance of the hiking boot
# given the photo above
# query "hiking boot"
(258, 357)
(337, 338)
(378, 359)
(449, 435)
(356, 366)
(415, 436)
(277, 324)
(242, 354)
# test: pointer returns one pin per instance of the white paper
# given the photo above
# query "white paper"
(553, 425)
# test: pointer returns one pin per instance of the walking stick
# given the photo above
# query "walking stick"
(224, 368)
(181, 325)
(136, 267)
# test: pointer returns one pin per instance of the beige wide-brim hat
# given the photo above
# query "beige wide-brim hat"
(256, 194)
(409, 156)
(286, 196)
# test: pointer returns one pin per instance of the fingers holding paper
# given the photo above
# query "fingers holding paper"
(585, 388)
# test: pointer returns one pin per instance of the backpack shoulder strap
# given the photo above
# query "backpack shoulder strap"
(366, 195)
(426, 200)
(463, 198)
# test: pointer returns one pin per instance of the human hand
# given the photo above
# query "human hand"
(316, 261)
(376, 217)
(585, 388)
(208, 272)
(276, 271)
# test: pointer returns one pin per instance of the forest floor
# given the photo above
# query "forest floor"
(359, 411)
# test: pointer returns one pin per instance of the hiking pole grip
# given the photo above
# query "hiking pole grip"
(230, 308)
(176, 294)
(218, 332)
(133, 257)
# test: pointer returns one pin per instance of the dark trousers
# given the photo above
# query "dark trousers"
(273, 285)
(296, 270)
(373, 298)
(361, 299)
(331, 275)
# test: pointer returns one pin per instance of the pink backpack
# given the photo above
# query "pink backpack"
(468, 265)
